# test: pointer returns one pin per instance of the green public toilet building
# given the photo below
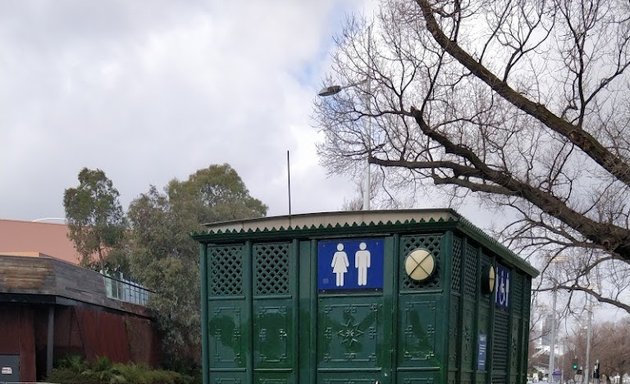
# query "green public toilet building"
(388, 297)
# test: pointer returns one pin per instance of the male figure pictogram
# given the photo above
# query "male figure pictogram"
(362, 263)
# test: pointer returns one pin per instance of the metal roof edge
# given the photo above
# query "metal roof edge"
(318, 221)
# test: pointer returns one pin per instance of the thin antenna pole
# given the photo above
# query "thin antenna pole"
(289, 179)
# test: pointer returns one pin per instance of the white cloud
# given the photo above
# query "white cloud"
(153, 90)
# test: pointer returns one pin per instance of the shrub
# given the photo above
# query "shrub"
(74, 370)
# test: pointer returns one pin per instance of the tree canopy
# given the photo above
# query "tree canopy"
(95, 217)
(524, 104)
(166, 259)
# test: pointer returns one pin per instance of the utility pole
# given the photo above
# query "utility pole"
(552, 343)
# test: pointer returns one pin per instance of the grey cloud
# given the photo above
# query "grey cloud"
(152, 90)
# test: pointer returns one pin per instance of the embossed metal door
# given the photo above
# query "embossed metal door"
(274, 312)
(252, 313)
(354, 321)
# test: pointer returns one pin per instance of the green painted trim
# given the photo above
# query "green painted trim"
(462, 294)
(524, 329)
(395, 304)
(388, 305)
(446, 248)
(294, 260)
(248, 279)
(305, 325)
(203, 255)
(314, 298)
(490, 346)
(508, 366)
(478, 282)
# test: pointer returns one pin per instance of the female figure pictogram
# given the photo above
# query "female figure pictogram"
(340, 264)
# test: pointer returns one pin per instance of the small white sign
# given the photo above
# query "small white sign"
(7, 370)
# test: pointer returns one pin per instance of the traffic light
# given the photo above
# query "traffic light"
(575, 364)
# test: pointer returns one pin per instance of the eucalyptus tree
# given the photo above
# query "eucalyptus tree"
(96, 220)
(166, 259)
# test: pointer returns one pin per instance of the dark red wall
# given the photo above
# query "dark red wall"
(17, 337)
(87, 331)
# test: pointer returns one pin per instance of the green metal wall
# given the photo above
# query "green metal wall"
(265, 321)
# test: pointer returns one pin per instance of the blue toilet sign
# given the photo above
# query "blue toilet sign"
(354, 264)
(502, 289)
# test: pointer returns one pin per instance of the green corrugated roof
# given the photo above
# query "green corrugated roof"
(344, 223)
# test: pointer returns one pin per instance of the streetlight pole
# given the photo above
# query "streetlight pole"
(368, 182)
(333, 90)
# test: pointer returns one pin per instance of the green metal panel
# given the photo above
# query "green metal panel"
(228, 315)
(354, 331)
(274, 313)
(423, 325)
(471, 287)
(350, 329)
(485, 313)
(205, 350)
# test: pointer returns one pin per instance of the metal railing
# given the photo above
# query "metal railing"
(126, 290)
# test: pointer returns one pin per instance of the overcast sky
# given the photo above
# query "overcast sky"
(151, 90)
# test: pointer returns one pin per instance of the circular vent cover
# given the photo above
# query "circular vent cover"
(420, 264)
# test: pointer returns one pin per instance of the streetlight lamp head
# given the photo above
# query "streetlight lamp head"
(329, 91)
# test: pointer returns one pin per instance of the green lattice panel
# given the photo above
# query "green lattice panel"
(432, 243)
(471, 276)
(456, 263)
(515, 344)
(453, 334)
(225, 270)
(517, 292)
(271, 269)
(501, 344)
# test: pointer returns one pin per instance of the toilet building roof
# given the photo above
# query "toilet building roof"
(353, 223)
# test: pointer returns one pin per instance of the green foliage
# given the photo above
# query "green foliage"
(74, 363)
(166, 259)
(74, 370)
(95, 217)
